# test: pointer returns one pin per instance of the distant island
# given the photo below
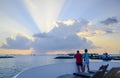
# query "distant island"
(104, 56)
(6, 56)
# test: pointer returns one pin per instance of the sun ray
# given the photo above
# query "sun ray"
(44, 12)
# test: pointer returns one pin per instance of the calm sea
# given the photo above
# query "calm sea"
(9, 67)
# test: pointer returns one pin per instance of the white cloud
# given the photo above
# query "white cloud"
(67, 43)
(64, 30)
(63, 37)
(69, 22)
(59, 38)
(19, 43)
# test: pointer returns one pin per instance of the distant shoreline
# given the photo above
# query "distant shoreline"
(7, 56)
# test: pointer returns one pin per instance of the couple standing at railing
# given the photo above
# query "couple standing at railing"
(79, 60)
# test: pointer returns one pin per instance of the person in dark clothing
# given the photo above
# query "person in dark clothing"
(79, 63)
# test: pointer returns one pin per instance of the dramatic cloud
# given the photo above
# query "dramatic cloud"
(20, 43)
(109, 21)
(70, 42)
(66, 35)
(63, 37)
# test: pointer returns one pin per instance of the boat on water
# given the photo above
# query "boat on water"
(94, 56)
(105, 57)
(48, 71)
(116, 58)
(56, 70)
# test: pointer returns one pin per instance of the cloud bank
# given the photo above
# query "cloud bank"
(62, 37)
(20, 43)
(66, 35)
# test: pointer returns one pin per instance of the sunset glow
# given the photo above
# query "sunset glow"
(59, 26)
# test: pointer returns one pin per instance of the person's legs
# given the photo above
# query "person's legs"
(84, 65)
(78, 67)
(87, 63)
(88, 67)
(82, 68)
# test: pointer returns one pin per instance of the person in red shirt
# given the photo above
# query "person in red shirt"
(78, 57)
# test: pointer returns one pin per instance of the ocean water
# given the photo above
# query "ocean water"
(9, 67)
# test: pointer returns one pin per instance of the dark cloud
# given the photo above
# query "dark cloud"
(109, 21)
(41, 35)
(109, 31)
(20, 43)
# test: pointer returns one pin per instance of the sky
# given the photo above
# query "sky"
(59, 26)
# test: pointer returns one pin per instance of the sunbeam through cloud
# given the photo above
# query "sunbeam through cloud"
(44, 12)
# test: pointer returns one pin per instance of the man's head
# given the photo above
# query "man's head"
(77, 51)
(86, 50)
